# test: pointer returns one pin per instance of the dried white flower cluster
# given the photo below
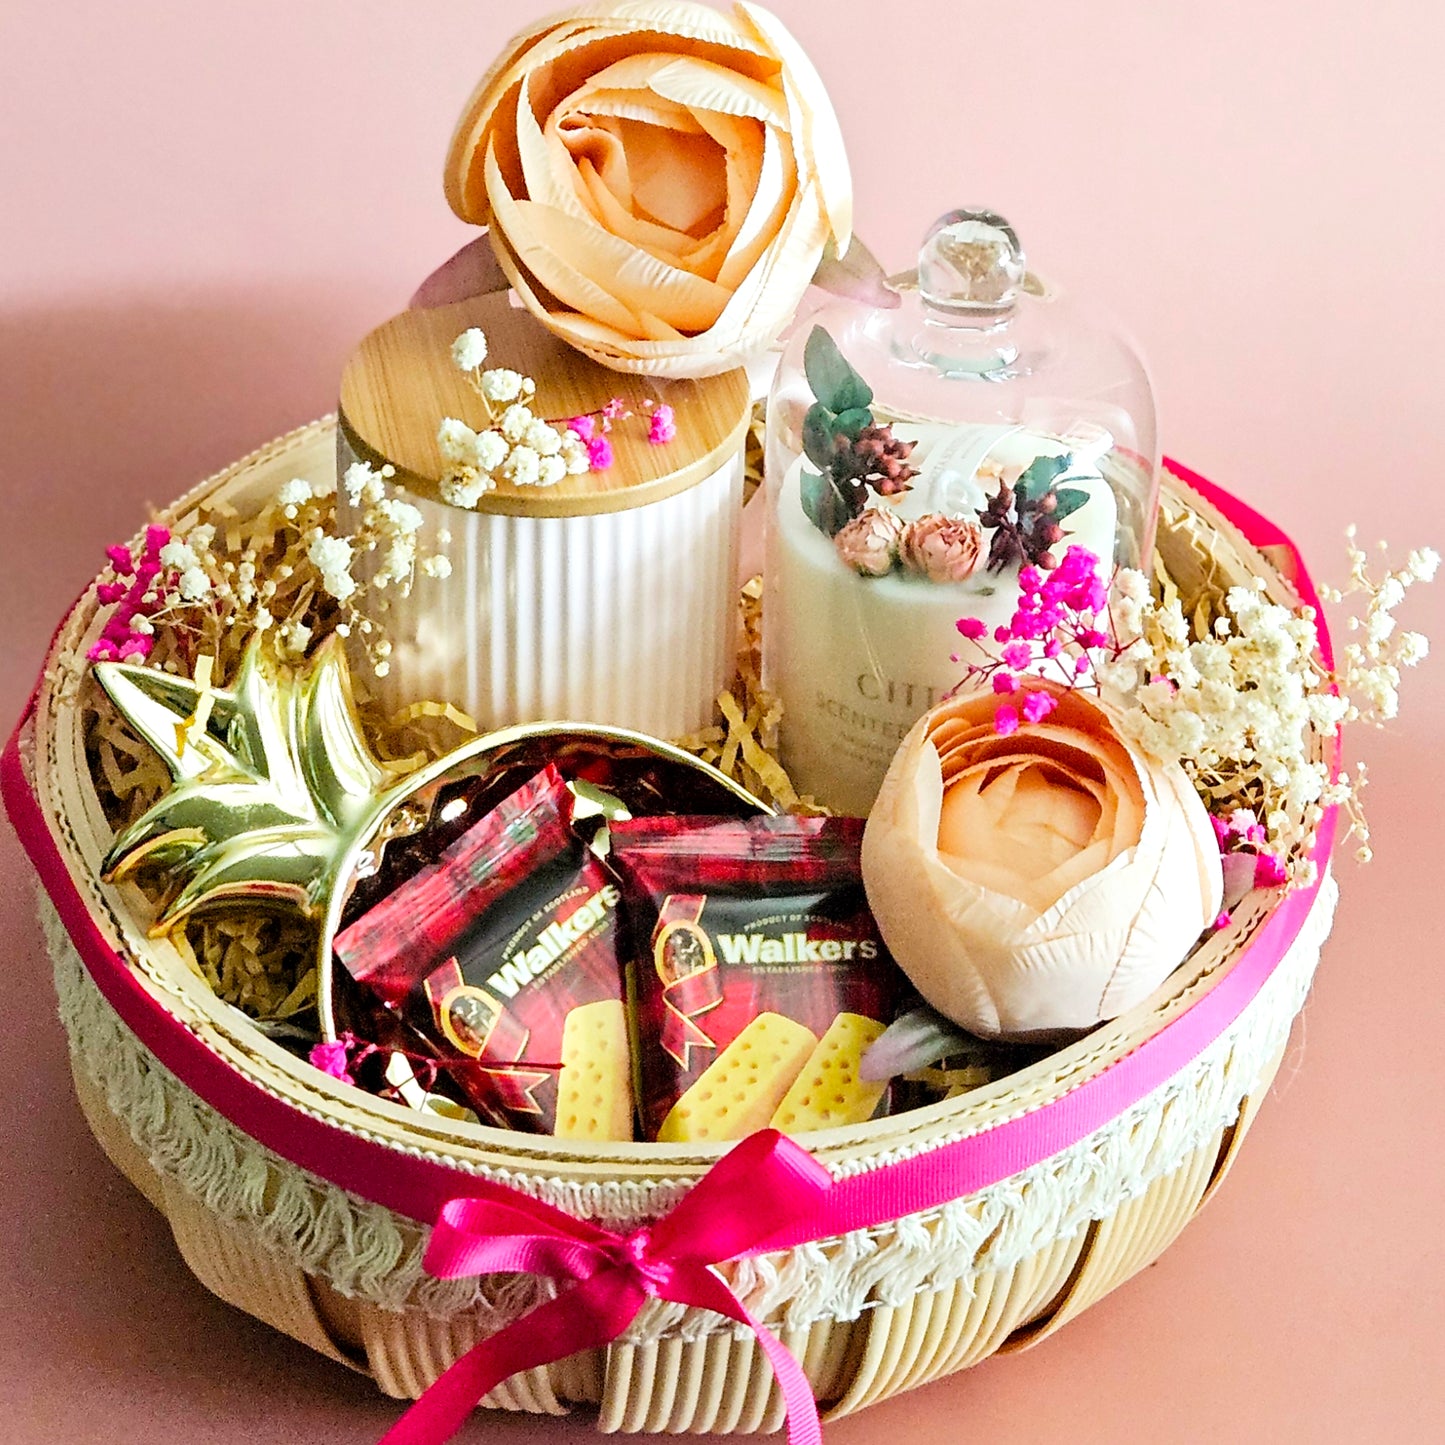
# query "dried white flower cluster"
(1240, 709)
(281, 573)
(518, 447)
(226, 576)
(1368, 671)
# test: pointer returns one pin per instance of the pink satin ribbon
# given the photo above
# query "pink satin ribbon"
(767, 1194)
(493, 1230)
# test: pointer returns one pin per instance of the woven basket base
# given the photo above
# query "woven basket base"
(721, 1384)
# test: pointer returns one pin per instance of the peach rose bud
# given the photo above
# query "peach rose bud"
(661, 179)
(869, 543)
(1041, 881)
(942, 549)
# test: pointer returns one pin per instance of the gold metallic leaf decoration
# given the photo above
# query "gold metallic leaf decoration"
(269, 793)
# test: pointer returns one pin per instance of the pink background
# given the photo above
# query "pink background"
(205, 206)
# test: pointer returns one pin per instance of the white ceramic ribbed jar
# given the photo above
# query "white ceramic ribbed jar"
(609, 597)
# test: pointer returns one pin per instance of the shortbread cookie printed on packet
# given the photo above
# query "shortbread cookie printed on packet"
(594, 1088)
(828, 1091)
(740, 1090)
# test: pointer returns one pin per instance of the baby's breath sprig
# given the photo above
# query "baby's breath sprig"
(1239, 708)
(289, 572)
(517, 447)
(1367, 672)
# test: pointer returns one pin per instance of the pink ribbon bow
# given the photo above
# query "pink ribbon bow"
(755, 1192)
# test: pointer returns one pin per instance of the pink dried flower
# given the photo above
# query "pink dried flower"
(1243, 824)
(135, 594)
(869, 543)
(330, 1058)
(615, 409)
(1057, 620)
(940, 548)
(662, 426)
(582, 426)
(1037, 706)
(599, 453)
(1223, 920)
(1269, 871)
(1006, 721)
(1005, 682)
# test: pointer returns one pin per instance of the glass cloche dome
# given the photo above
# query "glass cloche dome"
(917, 457)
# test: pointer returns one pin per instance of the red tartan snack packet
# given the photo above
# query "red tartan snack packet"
(505, 956)
(759, 974)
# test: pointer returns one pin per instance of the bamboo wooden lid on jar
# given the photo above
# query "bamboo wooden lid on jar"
(401, 383)
(609, 597)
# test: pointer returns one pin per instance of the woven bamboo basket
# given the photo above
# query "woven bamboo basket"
(867, 1314)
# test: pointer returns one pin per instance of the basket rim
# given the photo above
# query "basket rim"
(183, 1003)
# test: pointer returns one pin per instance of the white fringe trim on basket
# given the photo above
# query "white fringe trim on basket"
(365, 1251)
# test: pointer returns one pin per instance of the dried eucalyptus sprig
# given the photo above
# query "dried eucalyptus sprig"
(841, 437)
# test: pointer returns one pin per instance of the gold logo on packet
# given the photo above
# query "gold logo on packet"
(681, 949)
(682, 954)
(467, 1017)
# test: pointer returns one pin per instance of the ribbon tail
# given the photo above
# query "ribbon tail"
(800, 1408)
(586, 1317)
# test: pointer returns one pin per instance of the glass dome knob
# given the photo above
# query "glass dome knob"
(971, 266)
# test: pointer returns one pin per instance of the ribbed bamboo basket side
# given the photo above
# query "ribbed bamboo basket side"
(720, 1383)
(1141, 1230)
(114, 1138)
(235, 1266)
(1235, 1134)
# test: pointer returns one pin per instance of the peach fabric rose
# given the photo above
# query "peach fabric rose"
(660, 179)
(1041, 881)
